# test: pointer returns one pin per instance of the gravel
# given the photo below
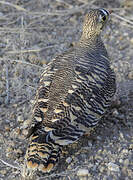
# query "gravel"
(82, 172)
(113, 167)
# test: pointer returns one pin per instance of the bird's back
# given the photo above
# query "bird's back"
(71, 74)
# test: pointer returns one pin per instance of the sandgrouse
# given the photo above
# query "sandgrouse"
(75, 91)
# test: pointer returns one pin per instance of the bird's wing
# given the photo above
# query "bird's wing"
(54, 84)
(71, 98)
(86, 101)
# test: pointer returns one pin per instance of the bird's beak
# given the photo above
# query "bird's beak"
(110, 11)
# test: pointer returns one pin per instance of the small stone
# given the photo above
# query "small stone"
(121, 135)
(25, 132)
(69, 167)
(9, 149)
(123, 47)
(99, 151)
(102, 169)
(99, 138)
(3, 172)
(125, 151)
(130, 75)
(126, 162)
(89, 144)
(121, 161)
(115, 112)
(121, 38)
(17, 131)
(22, 137)
(128, 3)
(124, 170)
(9, 155)
(18, 151)
(11, 143)
(131, 40)
(44, 62)
(15, 105)
(26, 124)
(113, 167)
(97, 157)
(7, 128)
(20, 119)
(68, 160)
(32, 101)
(82, 172)
(131, 147)
(1, 14)
(21, 159)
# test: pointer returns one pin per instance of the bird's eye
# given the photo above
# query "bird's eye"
(104, 14)
(104, 18)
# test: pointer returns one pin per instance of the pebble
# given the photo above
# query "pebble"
(128, 3)
(18, 151)
(1, 14)
(130, 75)
(3, 172)
(22, 137)
(125, 151)
(131, 147)
(113, 167)
(20, 119)
(32, 101)
(7, 128)
(126, 162)
(9, 149)
(121, 136)
(98, 157)
(121, 161)
(115, 112)
(121, 38)
(99, 151)
(89, 144)
(15, 133)
(9, 155)
(15, 105)
(131, 40)
(68, 160)
(26, 123)
(25, 132)
(102, 169)
(20, 159)
(82, 172)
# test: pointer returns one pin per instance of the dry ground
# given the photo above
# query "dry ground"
(32, 32)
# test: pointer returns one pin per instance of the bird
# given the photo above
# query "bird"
(74, 92)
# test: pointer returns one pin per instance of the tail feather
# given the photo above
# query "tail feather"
(41, 155)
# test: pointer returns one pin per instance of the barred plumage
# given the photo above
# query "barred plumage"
(74, 93)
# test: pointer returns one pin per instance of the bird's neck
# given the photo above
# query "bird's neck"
(92, 44)
(89, 40)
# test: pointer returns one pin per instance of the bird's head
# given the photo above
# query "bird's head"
(94, 22)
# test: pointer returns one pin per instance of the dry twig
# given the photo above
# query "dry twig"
(23, 62)
(65, 12)
(7, 86)
(13, 5)
(30, 50)
(10, 165)
(122, 18)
